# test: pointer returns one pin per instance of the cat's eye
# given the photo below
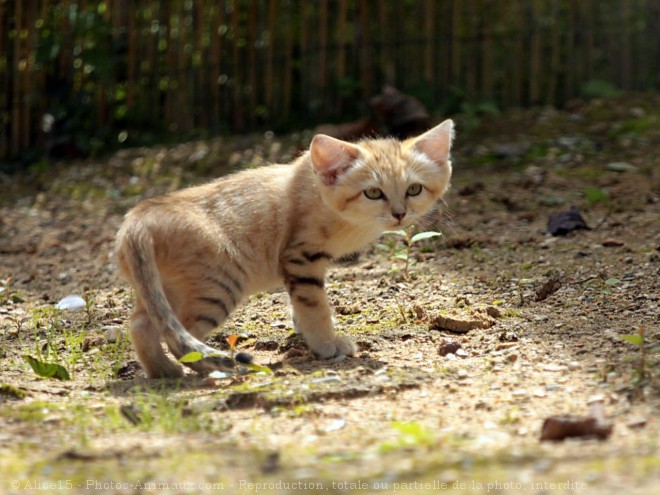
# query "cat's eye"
(414, 190)
(374, 193)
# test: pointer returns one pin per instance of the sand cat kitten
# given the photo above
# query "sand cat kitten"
(194, 255)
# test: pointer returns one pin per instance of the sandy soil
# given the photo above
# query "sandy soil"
(495, 327)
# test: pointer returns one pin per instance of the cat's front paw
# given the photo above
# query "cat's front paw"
(341, 345)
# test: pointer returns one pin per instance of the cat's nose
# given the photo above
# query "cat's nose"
(399, 215)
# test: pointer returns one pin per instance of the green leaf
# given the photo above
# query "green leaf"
(259, 369)
(612, 281)
(191, 357)
(401, 233)
(638, 340)
(401, 256)
(595, 195)
(424, 235)
(47, 370)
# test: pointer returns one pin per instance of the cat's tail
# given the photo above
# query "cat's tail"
(137, 259)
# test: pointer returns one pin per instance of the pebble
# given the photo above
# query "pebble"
(462, 374)
(112, 333)
(555, 367)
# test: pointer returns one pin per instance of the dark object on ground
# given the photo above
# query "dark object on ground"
(403, 115)
(243, 358)
(566, 221)
(558, 428)
(449, 346)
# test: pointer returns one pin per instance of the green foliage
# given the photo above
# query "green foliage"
(595, 195)
(47, 370)
(638, 339)
(401, 243)
(410, 435)
(598, 88)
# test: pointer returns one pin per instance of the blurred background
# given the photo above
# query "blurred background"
(81, 77)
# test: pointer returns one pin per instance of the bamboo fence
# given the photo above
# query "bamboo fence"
(105, 70)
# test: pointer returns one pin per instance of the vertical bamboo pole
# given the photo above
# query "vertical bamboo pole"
(553, 77)
(216, 63)
(456, 39)
(287, 89)
(626, 72)
(429, 36)
(535, 55)
(17, 79)
(170, 63)
(4, 87)
(365, 55)
(487, 48)
(569, 67)
(201, 113)
(323, 54)
(341, 51)
(269, 78)
(252, 61)
(388, 51)
(29, 91)
(132, 59)
(471, 68)
(303, 52)
(236, 76)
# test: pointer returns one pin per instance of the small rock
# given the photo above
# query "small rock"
(461, 353)
(113, 333)
(511, 358)
(613, 243)
(71, 302)
(555, 367)
(278, 324)
(462, 374)
(449, 346)
(621, 167)
(636, 423)
(493, 311)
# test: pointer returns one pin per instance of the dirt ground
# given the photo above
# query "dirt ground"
(491, 329)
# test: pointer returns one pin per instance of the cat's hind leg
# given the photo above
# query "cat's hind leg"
(146, 339)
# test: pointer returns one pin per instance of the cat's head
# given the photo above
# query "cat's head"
(390, 182)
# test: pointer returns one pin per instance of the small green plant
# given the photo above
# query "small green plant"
(595, 195)
(410, 435)
(7, 295)
(47, 370)
(638, 339)
(402, 242)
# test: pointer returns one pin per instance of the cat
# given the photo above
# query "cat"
(194, 254)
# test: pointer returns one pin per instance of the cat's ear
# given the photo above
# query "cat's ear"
(436, 143)
(331, 157)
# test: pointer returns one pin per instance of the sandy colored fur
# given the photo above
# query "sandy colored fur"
(194, 254)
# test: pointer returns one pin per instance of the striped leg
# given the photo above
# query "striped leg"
(311, 312)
